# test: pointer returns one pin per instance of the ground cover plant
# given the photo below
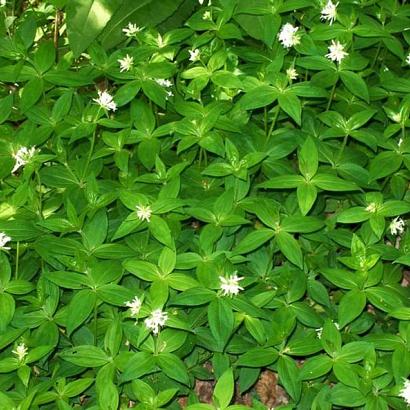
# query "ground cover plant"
(203, 204)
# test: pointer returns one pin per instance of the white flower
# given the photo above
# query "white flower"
(3, 3)
(126, 63)
(287, 35)
(372, 207)
(163, 83)
(329, 12)
(396, 117)
(22, 157)
(169, 94)
(291, 73)
(336, 51)
(230, 286)
(397, 226)
(408, 59)
(4, 240)
(131, 30)
(156, 320)
(201, 2)
(319, 332)
(194, 55)
(400, 142)
(105, 101)
(134, 305)
(405, 391)
(144, 212)
(207, 15)
(20, 351)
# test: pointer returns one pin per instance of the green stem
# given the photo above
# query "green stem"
(265, 120)
(95, 322)
(16, 272)
(342, 148)
(275, 117)
(40, 199)
(332, 94)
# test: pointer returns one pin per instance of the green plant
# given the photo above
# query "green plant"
(219, 193)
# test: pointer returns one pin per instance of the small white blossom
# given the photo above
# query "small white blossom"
(156, 320)
(20, 351)
(397, 226)
(336, 51)
(291, 73)
(144, 212)
(400, 142)
(169, 94)
(131, 30)
(396, 117)
(201, 2)
(319, 332)
(134, 305)
(105, 101)
(329, 12)
(408, 59)
(194, 55)
(3, 3)
(287, 35)
(405, 392)
(126, 63)
(230, 286)
(163, 83)
(4, 240)
(22, 157)
(372, 207)
(207, 15)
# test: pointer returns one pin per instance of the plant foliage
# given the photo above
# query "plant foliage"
(204, 193)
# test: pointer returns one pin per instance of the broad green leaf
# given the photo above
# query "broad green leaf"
(290, 248)
(85, 356)
(224, 389)
(351, 306)
(85, 21)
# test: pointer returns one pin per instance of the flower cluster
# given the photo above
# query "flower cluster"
(134, 305)
(144, 212)
(22, 157)
(131, 30)
(106, 101)
(20, 351)
(156, 320)
(230, 285)
(126, 63)
(288, 35)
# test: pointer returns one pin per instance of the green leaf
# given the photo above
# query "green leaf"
(253, 240)
(221, 322)
(85, 21)
(384, 164)
(307, 194)
(290, 248)
(258, 357)
(262, 27)
(80, 307)
(315, 367)
(308, 159)
(6, 105)
(224, 389)
(289, 377)
(351, 306)
(259, 97)
(330, 182)
(140, 364)
(160, 231)
(283, 182)
(290, 103)
(85, 356)
(355, 84)
(173, 367)
(7, 307)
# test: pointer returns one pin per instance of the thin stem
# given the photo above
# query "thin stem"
(16, 272)
(265, 120)
(40, 199)
(275, 117)
(332, 94)
(95, 322)
(342, 148)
